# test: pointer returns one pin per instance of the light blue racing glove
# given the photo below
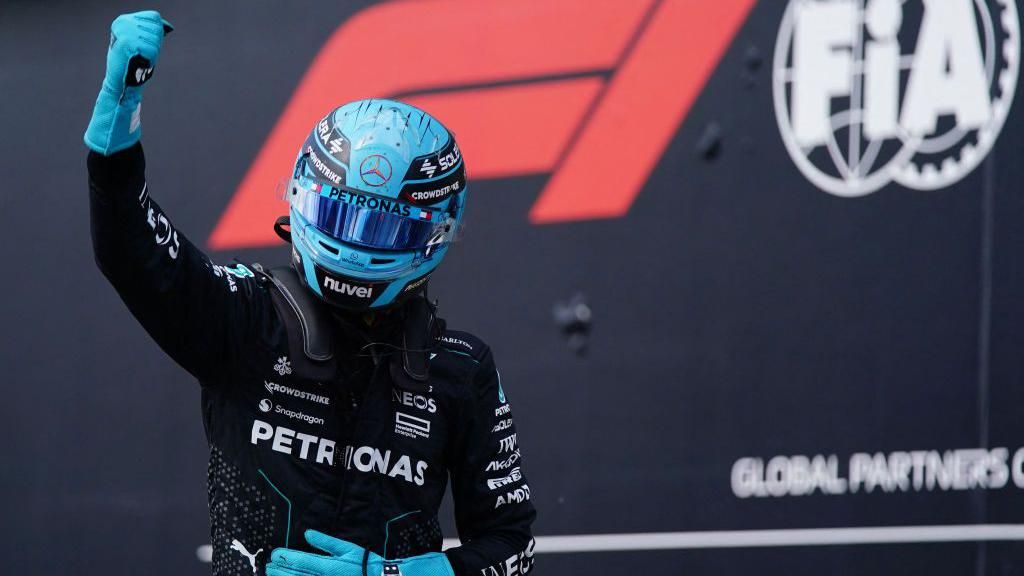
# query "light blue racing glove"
(346, 559)
(135, 41)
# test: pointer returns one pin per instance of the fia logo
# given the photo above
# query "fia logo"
(869, 92)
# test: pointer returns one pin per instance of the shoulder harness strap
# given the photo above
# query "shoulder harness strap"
(309, 327)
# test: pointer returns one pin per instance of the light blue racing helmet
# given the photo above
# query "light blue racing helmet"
(376, 198)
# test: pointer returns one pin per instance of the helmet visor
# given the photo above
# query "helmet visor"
(366, 220)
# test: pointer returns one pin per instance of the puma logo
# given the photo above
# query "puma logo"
(236, 545)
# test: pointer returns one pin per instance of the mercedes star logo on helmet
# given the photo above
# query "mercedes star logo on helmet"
(375, 170)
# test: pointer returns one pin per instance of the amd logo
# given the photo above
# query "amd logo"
(347, 289)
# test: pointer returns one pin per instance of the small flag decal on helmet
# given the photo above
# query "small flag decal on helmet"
(424, 215)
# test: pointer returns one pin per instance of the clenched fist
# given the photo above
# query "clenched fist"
(135, 41)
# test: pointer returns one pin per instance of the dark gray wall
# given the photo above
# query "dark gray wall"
(739, 312)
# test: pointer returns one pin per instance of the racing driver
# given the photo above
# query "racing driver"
(336, 403)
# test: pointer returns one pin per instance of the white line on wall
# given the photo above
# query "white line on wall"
(758, 538)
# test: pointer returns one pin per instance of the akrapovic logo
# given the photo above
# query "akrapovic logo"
(907, 91)
(503, 464)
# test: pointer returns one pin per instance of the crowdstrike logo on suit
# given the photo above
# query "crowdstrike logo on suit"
(301, 394)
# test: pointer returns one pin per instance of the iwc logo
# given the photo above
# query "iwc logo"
(869, 92)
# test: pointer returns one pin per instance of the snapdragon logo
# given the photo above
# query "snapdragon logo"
(316, 420)
(869, 92)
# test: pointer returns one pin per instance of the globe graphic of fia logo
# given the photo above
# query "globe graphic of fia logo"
(871, 92)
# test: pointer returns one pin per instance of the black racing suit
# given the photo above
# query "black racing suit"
(344, 445)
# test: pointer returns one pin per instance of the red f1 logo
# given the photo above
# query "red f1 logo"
(590, 91)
